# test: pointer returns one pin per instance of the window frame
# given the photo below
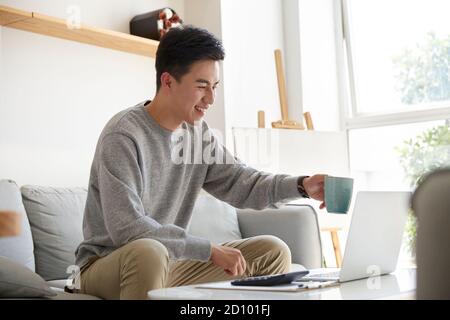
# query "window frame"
(350, 117)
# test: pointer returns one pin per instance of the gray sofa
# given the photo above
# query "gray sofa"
(37, 263)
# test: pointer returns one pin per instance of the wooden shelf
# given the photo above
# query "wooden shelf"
(55, 27)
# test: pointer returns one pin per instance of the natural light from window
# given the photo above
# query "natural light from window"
(401, 54)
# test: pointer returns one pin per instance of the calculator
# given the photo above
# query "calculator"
(270, 280)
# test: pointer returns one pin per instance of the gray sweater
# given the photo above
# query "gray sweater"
(145, 179)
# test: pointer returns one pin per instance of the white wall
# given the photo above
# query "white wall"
(251, 30)
(57, 95)
(207, 14)
(318, 62)
(293, 67)
(1, 72)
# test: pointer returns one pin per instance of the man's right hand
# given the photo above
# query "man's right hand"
(229, 259)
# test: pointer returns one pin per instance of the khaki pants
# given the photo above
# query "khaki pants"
(142, 265)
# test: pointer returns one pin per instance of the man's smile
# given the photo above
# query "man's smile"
(202, 110)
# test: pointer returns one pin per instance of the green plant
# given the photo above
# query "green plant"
(427, 152)
(423, 75)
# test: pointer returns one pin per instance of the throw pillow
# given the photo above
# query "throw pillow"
(18, 248)
(214, 220)
(56, 218)
(17, 281)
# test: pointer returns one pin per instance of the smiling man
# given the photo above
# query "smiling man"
(140, 200)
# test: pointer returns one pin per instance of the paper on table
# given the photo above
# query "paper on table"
(315, 284)
(293, 287)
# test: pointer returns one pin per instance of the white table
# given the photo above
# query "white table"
(398, 285)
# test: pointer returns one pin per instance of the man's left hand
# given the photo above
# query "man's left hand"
(314, 186)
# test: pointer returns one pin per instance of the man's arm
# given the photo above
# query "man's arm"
(120, 188)
(245, 187)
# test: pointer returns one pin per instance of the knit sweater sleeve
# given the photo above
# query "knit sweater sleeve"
(230, 180)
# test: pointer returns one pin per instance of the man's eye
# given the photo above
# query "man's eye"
(201, 87)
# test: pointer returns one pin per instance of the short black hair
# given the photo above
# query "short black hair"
(180, 47)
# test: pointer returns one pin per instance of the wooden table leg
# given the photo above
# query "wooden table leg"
(337, 248)
(336, 245)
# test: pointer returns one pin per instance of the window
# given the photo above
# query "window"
(387, 79)
(395, 62)
(398, 54)
(395, 157)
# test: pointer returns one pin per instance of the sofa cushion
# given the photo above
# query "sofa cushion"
(18, 248)
(214, 220)
(18, 281)
(56, 217)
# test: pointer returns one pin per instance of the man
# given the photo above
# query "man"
(141, 196)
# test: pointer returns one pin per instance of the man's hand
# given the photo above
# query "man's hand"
(229, 259)
(314, 186)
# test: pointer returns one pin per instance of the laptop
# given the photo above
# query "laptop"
(374, 239)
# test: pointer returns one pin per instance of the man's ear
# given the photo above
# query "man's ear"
(166, 80)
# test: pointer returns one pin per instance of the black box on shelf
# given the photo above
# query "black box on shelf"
(153, 25)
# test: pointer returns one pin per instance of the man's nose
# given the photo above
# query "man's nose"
(210, 96)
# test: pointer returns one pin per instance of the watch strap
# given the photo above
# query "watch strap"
(301, 188)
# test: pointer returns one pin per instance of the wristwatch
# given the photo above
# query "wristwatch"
(301, 188)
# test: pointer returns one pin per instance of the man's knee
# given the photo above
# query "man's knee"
(279, 250)
(144, 266)
(146, 253)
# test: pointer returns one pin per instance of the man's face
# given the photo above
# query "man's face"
(196, 91)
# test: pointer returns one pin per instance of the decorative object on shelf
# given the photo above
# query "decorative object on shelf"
(308, 120)
(10, 224)
(285, 122)
(261, 119)
(153, 25)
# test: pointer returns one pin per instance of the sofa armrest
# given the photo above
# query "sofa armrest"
(297, 225)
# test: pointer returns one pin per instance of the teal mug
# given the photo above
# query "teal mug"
(338, 194)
